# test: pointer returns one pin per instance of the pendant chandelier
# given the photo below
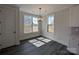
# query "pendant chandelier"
(40, 17)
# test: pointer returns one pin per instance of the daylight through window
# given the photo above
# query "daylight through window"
(30, 24)
(50, 26)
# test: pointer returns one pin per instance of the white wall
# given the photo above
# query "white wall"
(21, 23)
(62, 29)
(74, 16)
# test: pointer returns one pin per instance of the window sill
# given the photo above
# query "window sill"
(31, 32)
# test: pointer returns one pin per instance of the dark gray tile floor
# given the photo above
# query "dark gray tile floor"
(26, 48)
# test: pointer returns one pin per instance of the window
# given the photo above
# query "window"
(50, 27)
(35, 24)
(27, 24)
(30, 24)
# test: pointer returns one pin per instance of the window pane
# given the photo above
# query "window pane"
(35, 24)
(27, 24)
(51, 20)
(51, 24)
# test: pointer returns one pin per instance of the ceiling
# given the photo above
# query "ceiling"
(46, 8)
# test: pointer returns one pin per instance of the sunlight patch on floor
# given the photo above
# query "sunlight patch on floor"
(39, 41)
(46, 40)
(33, 40)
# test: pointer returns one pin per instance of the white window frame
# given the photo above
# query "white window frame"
(31, 25)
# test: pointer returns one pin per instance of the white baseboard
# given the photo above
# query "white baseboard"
(72, 50)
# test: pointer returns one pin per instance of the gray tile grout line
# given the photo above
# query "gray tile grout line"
(38, 40)
(41, 40)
